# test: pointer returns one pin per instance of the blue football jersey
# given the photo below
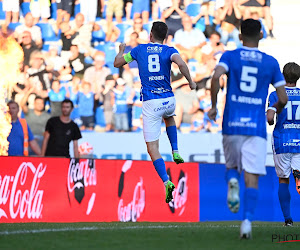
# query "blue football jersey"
(286, 134)
(154, 63)
(249, 72)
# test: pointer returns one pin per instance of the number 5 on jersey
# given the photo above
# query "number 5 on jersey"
(153, 63)
(248, 82)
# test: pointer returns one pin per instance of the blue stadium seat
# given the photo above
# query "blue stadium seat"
(122, 27)
(98, 36)
(99, 117)
(25, 8)
(193, 9)
(148, 26)
(13, 26)
(76, 9)
(100, 47)
(48, 33)
(53, 9)
(88, 60)
(2, 13)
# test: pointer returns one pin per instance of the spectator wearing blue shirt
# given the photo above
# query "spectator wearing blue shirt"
(56, 96)
(18, 139)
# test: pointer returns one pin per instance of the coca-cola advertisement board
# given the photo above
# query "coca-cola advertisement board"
(88, 190)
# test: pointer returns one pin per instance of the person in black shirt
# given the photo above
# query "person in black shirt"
(28, 46)
(76, 62)
(60, 131)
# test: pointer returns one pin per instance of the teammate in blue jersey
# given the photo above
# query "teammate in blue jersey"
(154, 63)
(249, 73)
(286, 138)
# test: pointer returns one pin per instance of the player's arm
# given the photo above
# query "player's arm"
(183, 69)
(271, 110)
(215, 86)
(121, 60)
(282, 99)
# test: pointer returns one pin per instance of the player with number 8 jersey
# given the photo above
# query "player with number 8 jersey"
(154, 63)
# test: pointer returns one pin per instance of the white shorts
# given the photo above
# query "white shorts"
(246, 153)
(39, 11)
(11, 5)
(153, 112)
(284, 163)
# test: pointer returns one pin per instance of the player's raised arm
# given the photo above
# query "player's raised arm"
(183, 69)
(215, 86)
(120, 60)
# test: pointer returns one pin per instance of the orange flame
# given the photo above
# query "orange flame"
(11, 55)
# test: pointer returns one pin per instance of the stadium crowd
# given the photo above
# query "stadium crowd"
(70, 45)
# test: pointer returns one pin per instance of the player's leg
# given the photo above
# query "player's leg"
(254, 151)
(232, 151)
(283, 170)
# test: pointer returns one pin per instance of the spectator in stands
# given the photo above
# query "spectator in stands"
(36, 117)
(59, 132)
(64, 10)
(134, 99)
(66, 36)
(128, 8)
(56, 95)
(190, 40)
(83, 33)
(198, 122)
(172, 16)
(53, 60)
(89, 10)
(143, 35)
(20, 137)
(120, 102)
(28, 25)
(213, 47)
(186, 105)
(28, 46)
(76, 62)
(40, 9)
(140, 8)
(11, 8)
(106, 97)
(20, 88)
(86, 99)
(268, 17)
(229, 16)
(249, 6)
(114, 7)
(97, 73)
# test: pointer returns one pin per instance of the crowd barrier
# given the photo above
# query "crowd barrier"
(89, 190)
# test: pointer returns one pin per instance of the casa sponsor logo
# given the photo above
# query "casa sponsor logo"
(180, 193)
(292, 92)
(131, 211)
(291, 125)
(156, 78)
(292, 142)
(244, 122)
(154, 49)
(164, 107)
(251, 55)
(246, 99)
(28, 202)
(82, 174)
(285, 238)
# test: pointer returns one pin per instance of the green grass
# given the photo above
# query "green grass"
(214, 235)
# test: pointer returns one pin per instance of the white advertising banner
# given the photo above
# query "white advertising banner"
(193, 147)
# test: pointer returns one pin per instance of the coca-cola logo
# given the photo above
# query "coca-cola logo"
(23, 203)
(132, 211)
(180, 193)
(82, 174)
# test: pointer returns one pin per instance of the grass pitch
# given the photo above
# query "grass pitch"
(213, 235)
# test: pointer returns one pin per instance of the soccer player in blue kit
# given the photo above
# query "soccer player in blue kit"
(154, 63)
(249, 73)
(286, 138)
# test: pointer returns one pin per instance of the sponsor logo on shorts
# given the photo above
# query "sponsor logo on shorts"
(160, 90)
(292, 143)
(164, 107)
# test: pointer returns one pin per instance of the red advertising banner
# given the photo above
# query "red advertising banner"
(68, 190)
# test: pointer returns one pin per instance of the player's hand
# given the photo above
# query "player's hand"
(212, 114)
(122, 46)
(192, 85)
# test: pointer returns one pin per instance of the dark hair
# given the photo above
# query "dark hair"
(12, 102)
(109, 77)
(38, 98)
(67, 101)
(251, 28)
(159, 30)
(215, 33)
(291, 72)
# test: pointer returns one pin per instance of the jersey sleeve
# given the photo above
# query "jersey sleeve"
(173, 51)
(272, 100)
(225, 61)
(277, 77)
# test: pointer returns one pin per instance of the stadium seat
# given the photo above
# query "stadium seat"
(25, 8)
(98, 36)
(100, 47)
(122, 27)
(53, 9)
(48, 33)
(2, 13)
(76, 9)
(88, 60)
(193, 9)
(13, 26)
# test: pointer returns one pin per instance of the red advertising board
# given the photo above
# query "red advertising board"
(67, 190)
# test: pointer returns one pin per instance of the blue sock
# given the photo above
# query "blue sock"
(160, 168)
(231, 173)
(285, 200)
(172, 134)
(251, 196)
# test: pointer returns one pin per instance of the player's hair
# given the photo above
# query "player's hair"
(67, 101)
(159, 30)
(251, 28)
(291, 72)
